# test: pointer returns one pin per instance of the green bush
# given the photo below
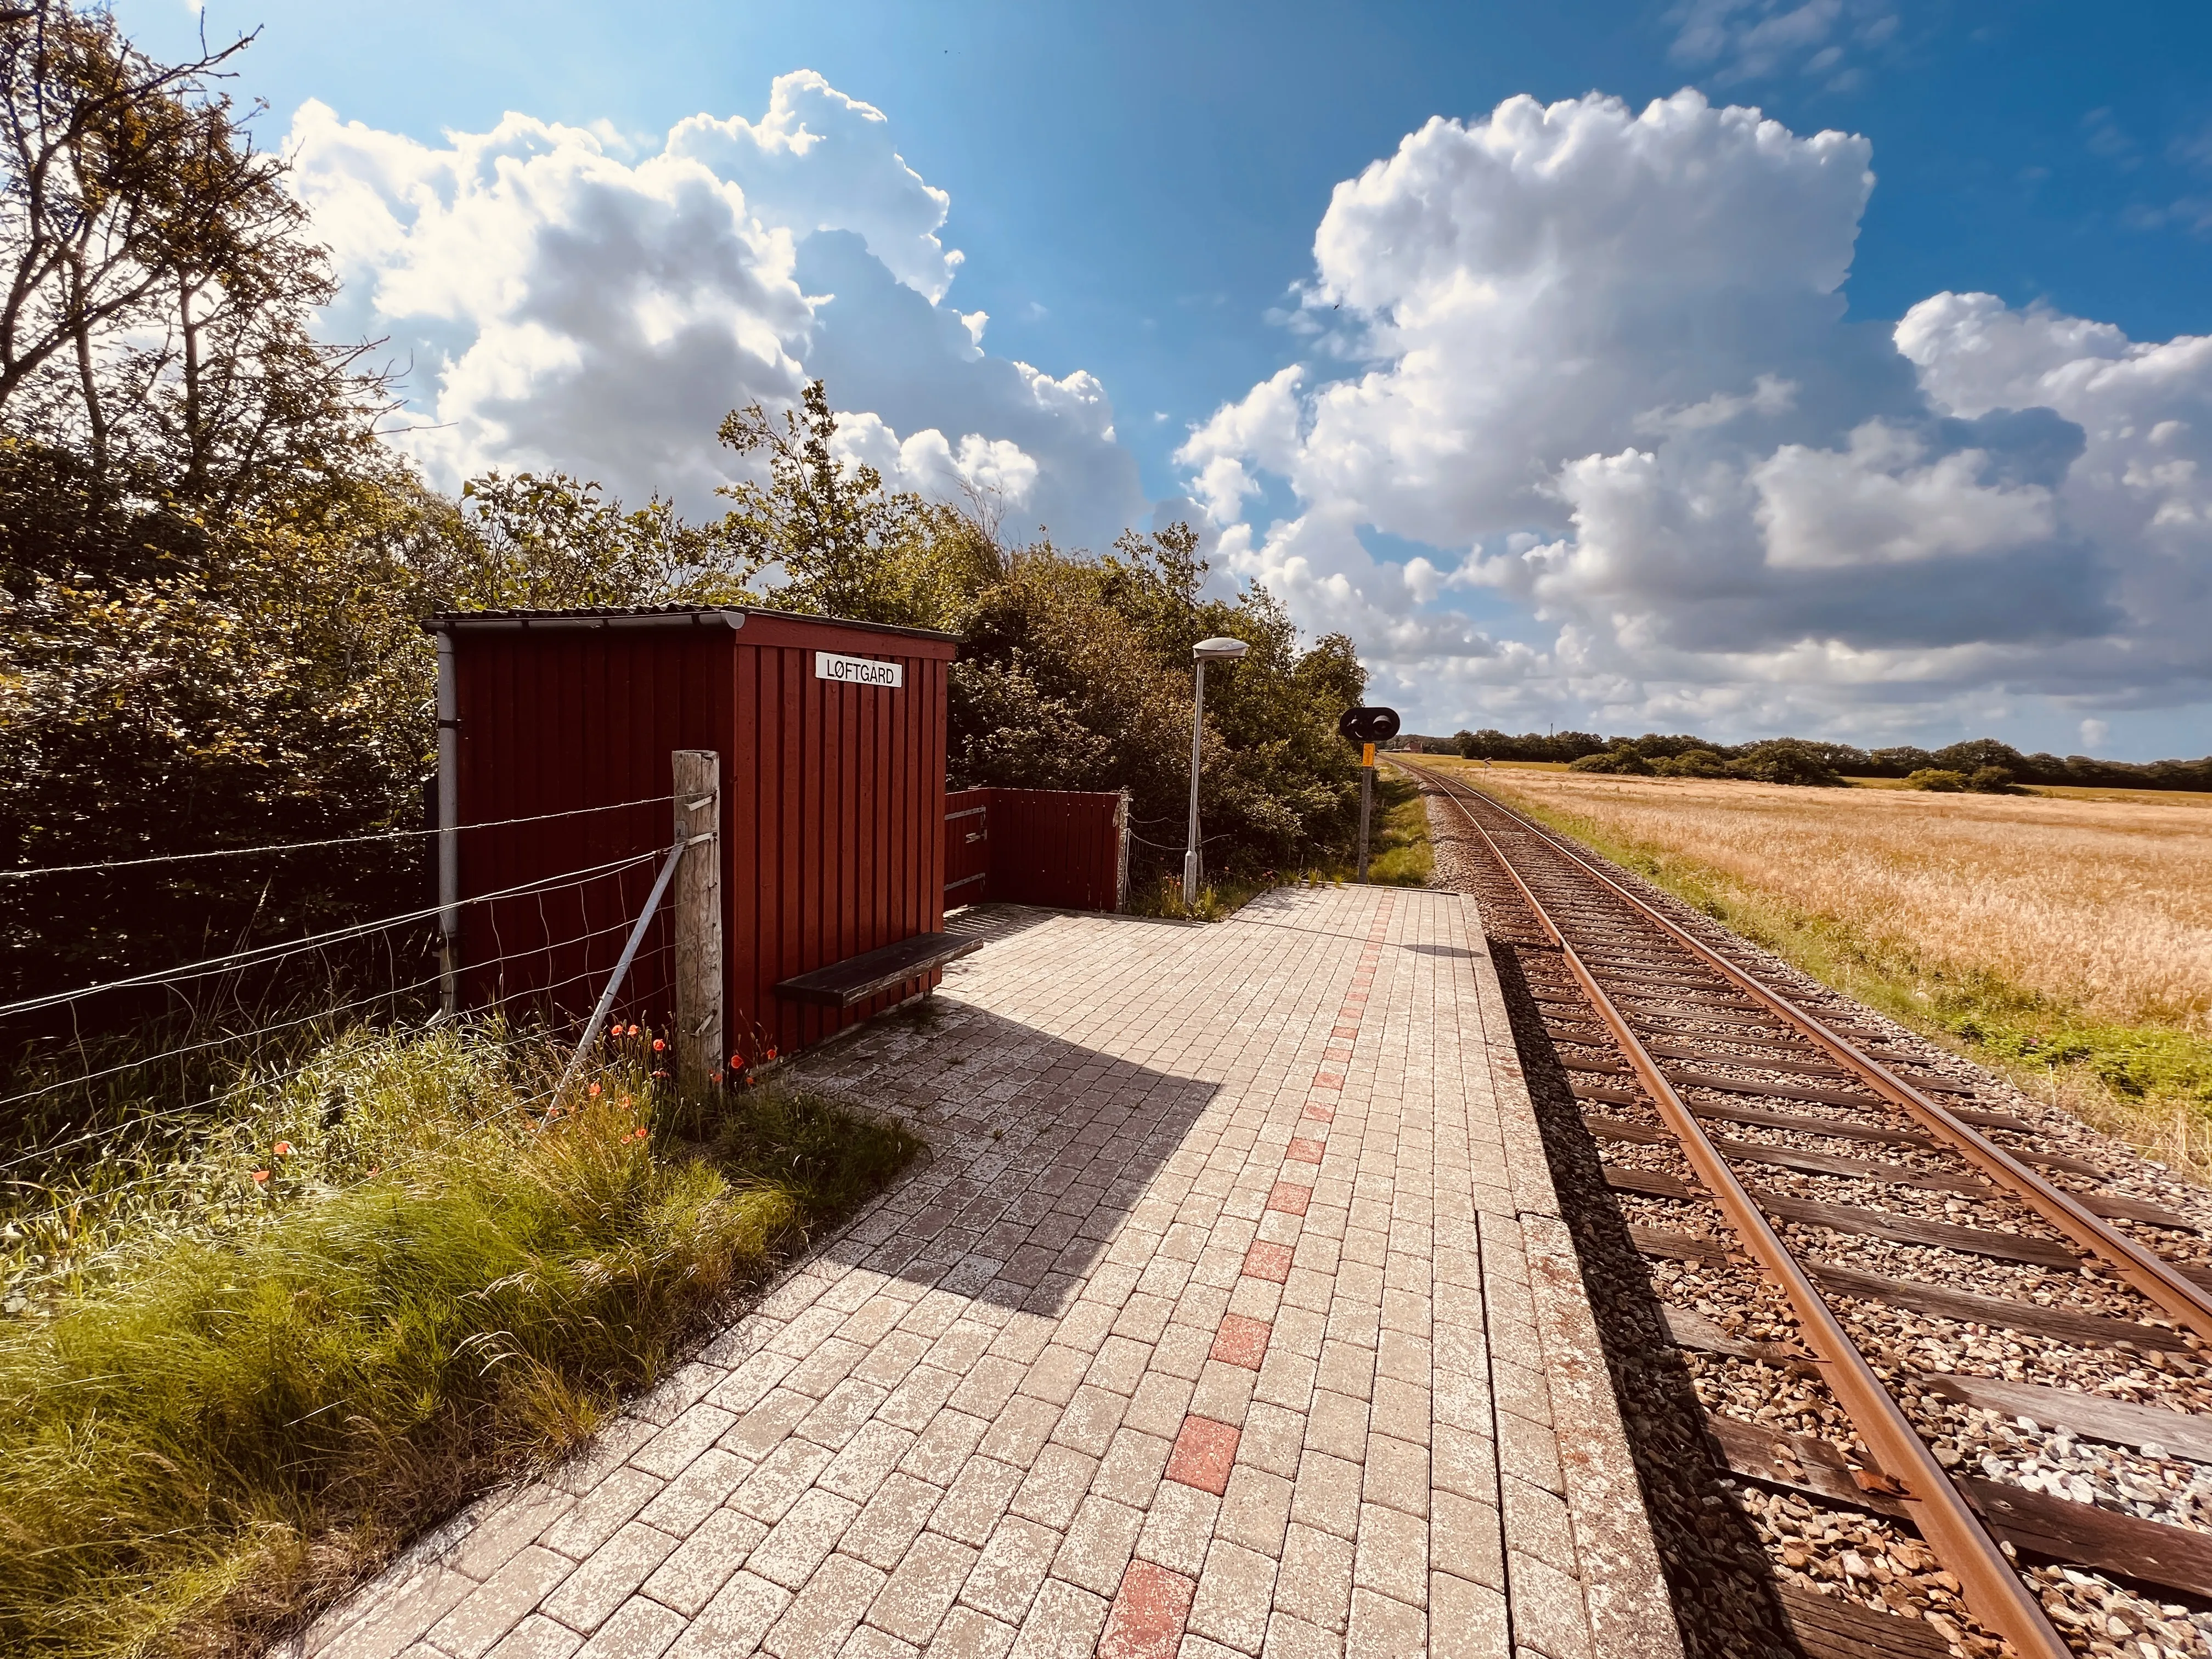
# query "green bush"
(1622, 763)
(1990, 781)
(1786, 760)
(1692, 764)
(1937, 780)
(1782, 760)
(1075, 673)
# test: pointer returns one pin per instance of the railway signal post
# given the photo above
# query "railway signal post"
(1367, 727)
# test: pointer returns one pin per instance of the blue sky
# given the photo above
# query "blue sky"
(1137, 192)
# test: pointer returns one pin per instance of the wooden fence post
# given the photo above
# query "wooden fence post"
(1122, 853)
(697, 906)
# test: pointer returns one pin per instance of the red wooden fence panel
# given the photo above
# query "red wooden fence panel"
(1058, 848)
(968, 845)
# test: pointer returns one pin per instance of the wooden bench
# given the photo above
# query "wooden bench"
(856, 979)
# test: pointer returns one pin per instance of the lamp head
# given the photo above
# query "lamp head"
(1219, 649)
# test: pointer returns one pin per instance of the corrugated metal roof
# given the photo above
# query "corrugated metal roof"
(660, 616)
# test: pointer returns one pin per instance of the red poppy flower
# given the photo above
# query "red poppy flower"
(771, 1053)
(261, 1175)
(283, 1149)
(595, 1091)
(659, 1044)
(737, 1062)
(633, 1030)
(660, 1075)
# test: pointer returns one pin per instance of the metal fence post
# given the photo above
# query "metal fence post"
(697, 773)
(449, 812)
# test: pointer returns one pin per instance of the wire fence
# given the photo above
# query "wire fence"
(87, 1204)
(409, 998)
(98, 1115)
(125, 908)
(261, 956)
(24, 873)
(1178, 848)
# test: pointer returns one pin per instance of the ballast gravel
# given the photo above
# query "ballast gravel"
(1720, 1535)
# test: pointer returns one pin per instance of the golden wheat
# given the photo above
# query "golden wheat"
(2103, 903)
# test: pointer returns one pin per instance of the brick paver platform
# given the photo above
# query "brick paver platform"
(1230, 1315)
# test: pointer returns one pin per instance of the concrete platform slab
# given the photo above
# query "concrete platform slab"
(1231, 1314)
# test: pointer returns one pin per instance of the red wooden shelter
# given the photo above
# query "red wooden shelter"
(831, 736)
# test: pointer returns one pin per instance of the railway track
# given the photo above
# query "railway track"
(1740, 1126)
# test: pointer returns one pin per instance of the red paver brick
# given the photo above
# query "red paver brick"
(1328, 1080)
(1303, 1151)
(1321, 1111)
(1203, 1454)
(1148, 1613)
(1271, 1262)
(1290, 1198)
(1241, 1341)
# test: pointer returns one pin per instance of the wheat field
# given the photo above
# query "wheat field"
(2103, 904)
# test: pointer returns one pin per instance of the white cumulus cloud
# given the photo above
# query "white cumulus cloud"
(1873, 503)
(565, 302)
(1594, 365)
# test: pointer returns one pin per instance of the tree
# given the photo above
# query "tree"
(552, 542)
(209, 567)
(1098, 652)
(1787, 760)
(158, 279)
(840, 543)
(1623, 762)
(1075, 671)
(1692, 764)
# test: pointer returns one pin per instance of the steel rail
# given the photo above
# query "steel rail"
(1934, 1506)
(2180, 1299)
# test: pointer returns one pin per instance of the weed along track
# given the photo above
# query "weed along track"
(1949, 1373)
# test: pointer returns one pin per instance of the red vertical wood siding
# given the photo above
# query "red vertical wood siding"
(1051, 846)
(833, 806)
(968, 845)
(553, 721)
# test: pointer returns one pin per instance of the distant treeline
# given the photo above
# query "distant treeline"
(1967, 758)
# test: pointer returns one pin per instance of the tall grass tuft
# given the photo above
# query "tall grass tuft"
(270, 1384)
(1400, 855)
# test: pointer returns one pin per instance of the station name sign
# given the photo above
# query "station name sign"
(859, 671)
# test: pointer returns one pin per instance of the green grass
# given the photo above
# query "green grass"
(228, 1397)
(2152, 1084)
(1162, 899)
(1399, 854)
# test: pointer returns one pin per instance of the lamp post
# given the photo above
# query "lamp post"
(1206, 651)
